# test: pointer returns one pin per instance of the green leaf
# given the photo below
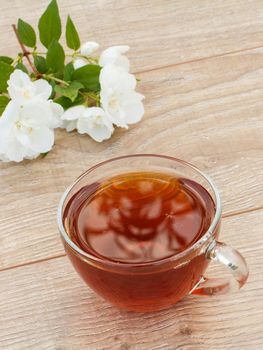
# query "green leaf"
(53, 93)
(49, 24)
(40, 64)
(68, 71)
(88, 76)
(55, 57)
(6, 59)
(26, 33)
(70, 91)
(72, 36)
(63, 101)
(5, 71)
(67, 103)
(3, 103)
(22, 67)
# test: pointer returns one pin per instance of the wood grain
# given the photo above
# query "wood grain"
(201, 65)
(160, 32)
(47, 306)
(194, 111)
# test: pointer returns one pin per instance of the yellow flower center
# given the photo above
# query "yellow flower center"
(113, 102)
(26, 94)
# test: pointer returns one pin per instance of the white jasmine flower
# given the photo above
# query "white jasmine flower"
(28, 122)
(69, 125)
(118, 96)
(114, 55)
(87, 49)
(57, 111)
(25, 130)
(92, 121)
(22, 89)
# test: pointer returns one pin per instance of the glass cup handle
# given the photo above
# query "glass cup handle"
(233, 260)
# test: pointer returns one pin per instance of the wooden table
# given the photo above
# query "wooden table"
(201, 70)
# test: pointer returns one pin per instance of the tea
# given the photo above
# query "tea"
(139, 218)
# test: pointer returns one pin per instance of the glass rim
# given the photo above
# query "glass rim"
(188, 251)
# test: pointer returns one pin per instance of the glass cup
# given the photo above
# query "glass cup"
(152, 286)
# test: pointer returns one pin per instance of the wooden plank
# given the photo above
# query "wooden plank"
(208, 113)
(47, 306)
(160, 32)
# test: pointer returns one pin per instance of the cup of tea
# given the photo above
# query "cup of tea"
(142, 229)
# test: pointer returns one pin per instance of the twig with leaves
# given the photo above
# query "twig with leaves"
(77, 90)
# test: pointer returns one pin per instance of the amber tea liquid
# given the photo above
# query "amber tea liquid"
(133, 220)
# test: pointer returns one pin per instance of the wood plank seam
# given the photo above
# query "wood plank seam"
(29, 263)
(240, 212)
(62, 255)
(228, 53)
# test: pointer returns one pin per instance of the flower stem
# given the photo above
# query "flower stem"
(93, 60)
(25, 52)
(16, 60)
(90, 59)
(90, 96)
(47, 76)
